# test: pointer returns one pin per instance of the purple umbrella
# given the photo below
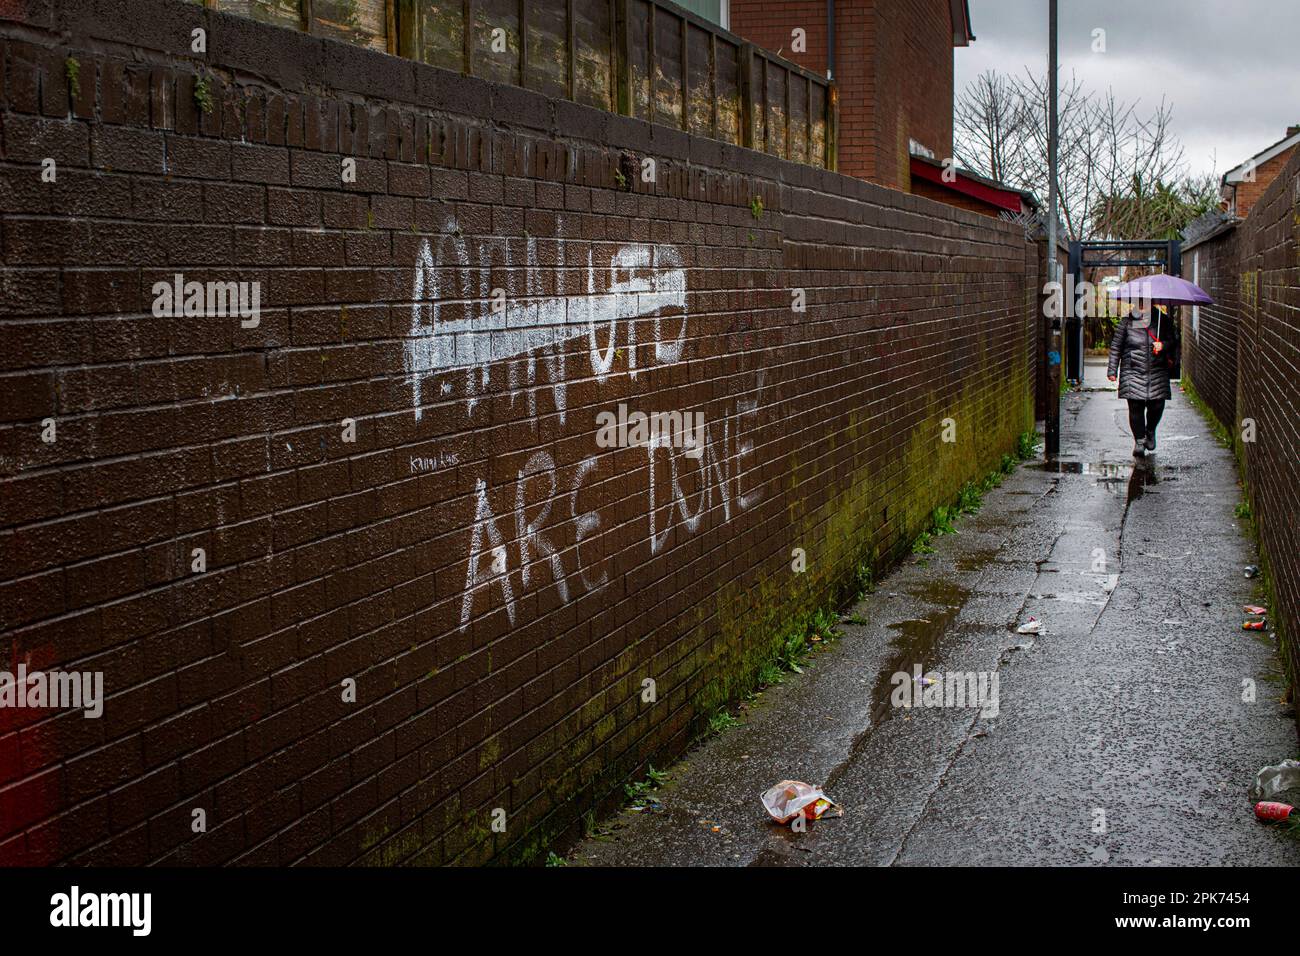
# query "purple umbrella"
(1167, 289)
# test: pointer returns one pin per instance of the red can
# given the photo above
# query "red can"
(1273, 812)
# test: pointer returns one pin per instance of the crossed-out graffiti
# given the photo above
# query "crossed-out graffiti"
(642, 282)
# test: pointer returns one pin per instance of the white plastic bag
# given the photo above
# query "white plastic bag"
(793, 798)
(1276, 778)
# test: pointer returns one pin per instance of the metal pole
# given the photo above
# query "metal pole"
(1052, 426)
(1051, 141)
(830, 39)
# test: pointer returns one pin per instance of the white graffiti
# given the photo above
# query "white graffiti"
(717, 472)
(642, 281)
(693, 489)
(488, 543)
(463, 323)
(438, 462)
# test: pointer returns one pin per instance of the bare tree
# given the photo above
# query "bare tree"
(1104, 144)
(989, 118)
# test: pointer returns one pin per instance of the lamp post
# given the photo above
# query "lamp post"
(1052, 424)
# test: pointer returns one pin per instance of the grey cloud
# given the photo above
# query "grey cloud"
(1229, 67)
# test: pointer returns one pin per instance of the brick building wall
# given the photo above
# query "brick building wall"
(914, 84)
(893, 70)
(497, 584)
(1249, 193)
(1246, 362)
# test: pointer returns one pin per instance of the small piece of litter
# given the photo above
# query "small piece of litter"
(1032, 626)
(1274, 779)
(794, 798)
(1272, 812)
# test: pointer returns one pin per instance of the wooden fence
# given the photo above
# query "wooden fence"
(645, 58)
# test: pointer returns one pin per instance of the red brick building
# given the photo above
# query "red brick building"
(892, 61)
(1243, 185)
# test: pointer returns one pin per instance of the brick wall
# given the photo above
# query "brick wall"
(893, 68)
(1249, 193)
(498, 585)
(1245, 361)
(1210, 339)
(913, 85)
(772, 26)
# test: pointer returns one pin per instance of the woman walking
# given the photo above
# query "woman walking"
(1144, 353)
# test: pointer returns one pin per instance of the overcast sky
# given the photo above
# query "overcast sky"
(1229, 67)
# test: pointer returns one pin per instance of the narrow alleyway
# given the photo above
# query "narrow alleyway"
(1121, 734)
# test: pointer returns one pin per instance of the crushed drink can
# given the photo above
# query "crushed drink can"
(1271, 811)
(1253, 625)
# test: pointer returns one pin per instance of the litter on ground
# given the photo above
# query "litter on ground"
(1275, 778)
(1273, 812)
(794, 798)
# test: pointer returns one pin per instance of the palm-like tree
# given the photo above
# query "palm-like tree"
(1153, 209)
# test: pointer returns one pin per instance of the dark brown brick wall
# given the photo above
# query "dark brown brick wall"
(497, 584)
(1246, 363)
(1210, 340)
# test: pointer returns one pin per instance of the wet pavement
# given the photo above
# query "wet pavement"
(1117, 736)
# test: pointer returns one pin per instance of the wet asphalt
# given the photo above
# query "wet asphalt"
(1119, 736)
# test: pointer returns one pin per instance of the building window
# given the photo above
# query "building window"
(715, 11)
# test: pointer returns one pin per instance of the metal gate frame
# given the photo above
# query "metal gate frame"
(1122, 253)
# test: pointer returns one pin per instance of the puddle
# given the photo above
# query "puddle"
(1138, 474)
(975, 560)
(1114, 470)
(940, 592)
(1142, 479)
(918, 639)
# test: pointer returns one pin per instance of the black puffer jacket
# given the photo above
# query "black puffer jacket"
(1142, 374)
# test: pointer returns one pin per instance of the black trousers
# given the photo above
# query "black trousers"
(1143, 417)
